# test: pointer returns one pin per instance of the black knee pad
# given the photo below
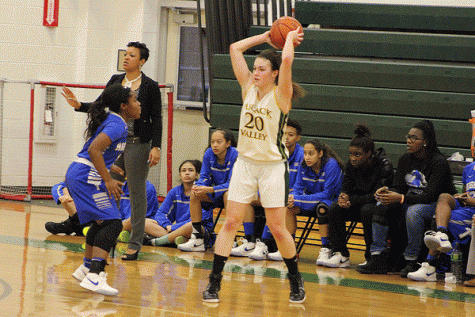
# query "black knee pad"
(107, 236)
(322, 216)
(92, 232)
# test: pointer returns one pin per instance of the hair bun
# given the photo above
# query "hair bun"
(362, 130)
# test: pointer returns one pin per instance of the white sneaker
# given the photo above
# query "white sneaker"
(426, 273)
(337, 260)
(363, 264)
(260, 252)
(323, 256)
(244, 249)
(275, 256)
(437, 241)
(98, 283)
(80, 273)
(193, 244)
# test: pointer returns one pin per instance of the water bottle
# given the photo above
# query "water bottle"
(456, 264)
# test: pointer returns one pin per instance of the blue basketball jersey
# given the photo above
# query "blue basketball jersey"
(116, 129)
(311, 188)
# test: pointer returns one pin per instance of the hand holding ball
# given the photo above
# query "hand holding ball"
(280, 28)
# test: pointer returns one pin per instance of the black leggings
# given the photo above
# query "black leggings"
(104, 235)
(337, 218)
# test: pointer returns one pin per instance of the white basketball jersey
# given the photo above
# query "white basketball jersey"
(261, 128)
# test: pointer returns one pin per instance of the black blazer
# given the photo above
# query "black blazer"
(149, 125)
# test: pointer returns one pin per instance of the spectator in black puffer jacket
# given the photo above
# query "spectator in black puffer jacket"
(367, 170)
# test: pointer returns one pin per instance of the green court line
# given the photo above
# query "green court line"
(251, 270)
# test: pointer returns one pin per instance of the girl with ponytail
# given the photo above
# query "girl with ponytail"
(91, 186)
(267, 92)
(317, 186)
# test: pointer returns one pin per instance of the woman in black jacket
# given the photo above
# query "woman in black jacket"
(367, 170)
(422, 174)
(142, 150)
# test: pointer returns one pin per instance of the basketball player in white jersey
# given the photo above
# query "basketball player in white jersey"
(261, 165)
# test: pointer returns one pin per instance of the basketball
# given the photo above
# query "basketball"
(280, 28)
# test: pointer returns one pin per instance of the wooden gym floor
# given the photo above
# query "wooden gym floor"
(36, 268)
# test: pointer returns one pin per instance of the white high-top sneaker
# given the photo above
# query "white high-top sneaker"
(244, 249)
(323, 256)
(275, 256)
(80, 273)
(426, 273)
(98, 283)
(260, 251)
(193, 244)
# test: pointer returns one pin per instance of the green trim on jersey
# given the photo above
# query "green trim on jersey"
(287, 181)
(280, 135)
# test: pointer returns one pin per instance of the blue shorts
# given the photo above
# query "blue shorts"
(57, 191)
(460, 222)
(89, 193)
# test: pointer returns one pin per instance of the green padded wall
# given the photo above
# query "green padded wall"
(380, 44)
(385, 16)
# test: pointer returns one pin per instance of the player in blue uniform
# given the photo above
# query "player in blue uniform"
(91, 186)
(210, 191)
(318, 185)
(453, 216)
(172, 223)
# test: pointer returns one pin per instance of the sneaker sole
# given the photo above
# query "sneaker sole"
(298, 301)
(103, 292)
(194, 249)
(107, 293)
(241, 254)
(255, 258)
(435, 245)
(337, 265)
(420, 279)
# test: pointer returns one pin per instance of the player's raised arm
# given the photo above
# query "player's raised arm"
(236, 51)
(285, 85)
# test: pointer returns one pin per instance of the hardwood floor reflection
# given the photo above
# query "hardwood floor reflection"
(36, 280)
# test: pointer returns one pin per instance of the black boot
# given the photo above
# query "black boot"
(297, 291)
(211, 292)
(411, 266)
(60, 227)
(378, 264)
(147, 239)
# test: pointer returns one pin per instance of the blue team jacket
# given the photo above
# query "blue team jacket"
(175, 209)
(217, 175)
(311, 188)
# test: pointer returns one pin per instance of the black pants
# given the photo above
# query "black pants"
(337, 218)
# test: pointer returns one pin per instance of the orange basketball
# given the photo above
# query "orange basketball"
(280, 28)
